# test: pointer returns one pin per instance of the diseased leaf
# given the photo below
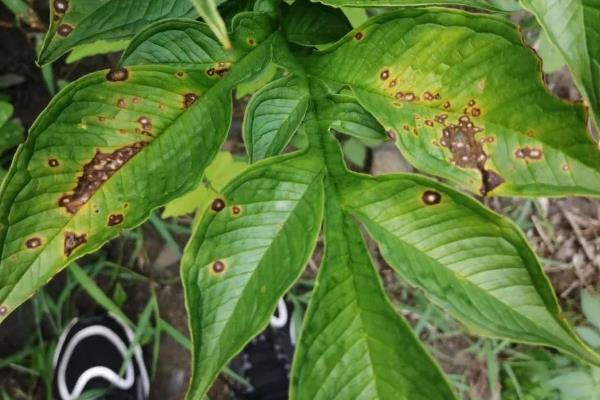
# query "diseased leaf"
(353, 344)
(307, 23)
(223, 169)
(574, 28)
(273, 116)
(464, 99)
(110, 148)
(494, 5)
(248, 249)
(77, 22)
(474, 263)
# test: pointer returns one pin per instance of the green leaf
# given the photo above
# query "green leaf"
(353, 344)
(573, 26)
(355, 151)
(109, 149)
(6, 111)
(273, 116)
(590, 304)
(77, 22)
(223, 169)
(473, 262)
(590, 335)
(94, 291)
(248, 249)
(208, 11)
(308, 24)
(95, 48)
(550, 55)
(344, 114)
(253, 86)
(465, 101)
(494, 5)
(11, 132)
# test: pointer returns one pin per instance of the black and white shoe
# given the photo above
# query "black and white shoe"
(265, 362)
(90, 355)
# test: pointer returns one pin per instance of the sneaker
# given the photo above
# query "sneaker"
(89, 356)
(265, 362)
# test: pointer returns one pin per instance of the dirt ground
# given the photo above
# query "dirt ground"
(564, 233)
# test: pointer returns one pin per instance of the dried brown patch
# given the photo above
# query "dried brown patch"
(64, 30)
(468, 152)
(72, 241)
(115, 219)
(61, 6)
(117, 74)
(95, 173)
(189, 99)
(33, 243)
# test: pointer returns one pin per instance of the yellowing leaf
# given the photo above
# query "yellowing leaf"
(223, 169)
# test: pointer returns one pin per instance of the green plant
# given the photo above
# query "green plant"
(458, 93)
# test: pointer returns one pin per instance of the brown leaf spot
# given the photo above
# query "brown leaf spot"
(117, 74)
(393, 83)
(358, 36)
(447, 104)
(136, 100)
(95, 173)
(115, 219)
(180, 74)
(460, 140)
(431, 197)
(428, 122)
(53, 163)
(218, 204)
(391, 134)
(33, 243)
(236, 210)
(408, 96)
(189, 99)
(145, 123)
(384, 74)
(527, 153)
(3, 311)
(121, 103)
(64, 30)
(101, 118)
(566, 167)
(428, 96)
(251, 42)
(218, 267)
(441, 118)
(471, 103)
(476, 112)
(72, 241)
(61, 6)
